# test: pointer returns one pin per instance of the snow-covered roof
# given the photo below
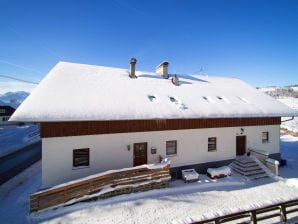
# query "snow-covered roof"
(76, 92)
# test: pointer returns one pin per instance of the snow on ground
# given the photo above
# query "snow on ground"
(293, 124)
(14, 195)
(13, 137)
(289, 146)
(181, 203)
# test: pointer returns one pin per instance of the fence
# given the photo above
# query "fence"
(253, 216)
(107, 184)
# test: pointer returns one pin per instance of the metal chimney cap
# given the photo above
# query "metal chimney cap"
(133, 60)
(164, 63)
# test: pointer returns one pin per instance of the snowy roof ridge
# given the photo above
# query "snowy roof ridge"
(80, 92)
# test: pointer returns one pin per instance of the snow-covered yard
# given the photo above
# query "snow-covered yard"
(181, 203)
(13, 137)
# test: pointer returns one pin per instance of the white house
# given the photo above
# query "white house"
(96, 118)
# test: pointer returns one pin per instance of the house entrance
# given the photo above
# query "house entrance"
(240, 145)
(139, 153)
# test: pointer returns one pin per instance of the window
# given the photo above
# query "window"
(81, 157)
(212, 144)
(265, 137)
(171, 147)
(2, 111)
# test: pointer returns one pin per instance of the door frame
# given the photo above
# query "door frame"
(146, 154)
(238, 150)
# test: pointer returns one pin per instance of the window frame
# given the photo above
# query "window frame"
(175, 147)
(79, 164)
(212, 141)
(266, 139)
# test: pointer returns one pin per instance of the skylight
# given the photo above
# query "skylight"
(221, 98)
(243, 99)
(173, 99)
(208, 99)
(152, 98)
(177, 102)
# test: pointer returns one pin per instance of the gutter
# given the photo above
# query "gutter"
(292, 118)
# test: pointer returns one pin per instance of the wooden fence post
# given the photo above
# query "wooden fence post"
(253, 217)
(217, 221)
(283, 213)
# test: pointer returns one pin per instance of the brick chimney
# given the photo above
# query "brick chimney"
(132, 73)
(162, 69)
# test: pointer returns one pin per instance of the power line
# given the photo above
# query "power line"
(20, 66)
(17, 79)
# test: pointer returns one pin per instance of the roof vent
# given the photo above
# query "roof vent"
(162, 69)
(175, 80)
(132, 73)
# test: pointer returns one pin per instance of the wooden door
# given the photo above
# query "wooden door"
(240, 145)
(139, 154)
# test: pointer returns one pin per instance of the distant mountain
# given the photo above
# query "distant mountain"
(14, 97)
(280, 91)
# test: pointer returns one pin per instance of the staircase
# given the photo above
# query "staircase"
(247, 166)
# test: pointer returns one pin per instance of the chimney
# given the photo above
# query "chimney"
(132, 73)
(175, 80)
(162, 69)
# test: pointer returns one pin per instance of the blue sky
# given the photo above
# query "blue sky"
(256, 41)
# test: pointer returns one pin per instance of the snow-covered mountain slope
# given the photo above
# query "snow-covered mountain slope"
(293, 124)
(280, 91)
(18, 97)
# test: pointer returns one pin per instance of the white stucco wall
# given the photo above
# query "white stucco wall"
(110, 151)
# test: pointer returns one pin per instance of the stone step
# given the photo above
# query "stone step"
(245, 165)
(248, 167)
(250, 173)
(245, 169)
(244, 159)
(260, 176)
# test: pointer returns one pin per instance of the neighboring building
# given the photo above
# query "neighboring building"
(5, 113)
(96, 118)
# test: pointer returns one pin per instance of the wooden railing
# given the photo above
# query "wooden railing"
(280, 210)
(106, 184)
